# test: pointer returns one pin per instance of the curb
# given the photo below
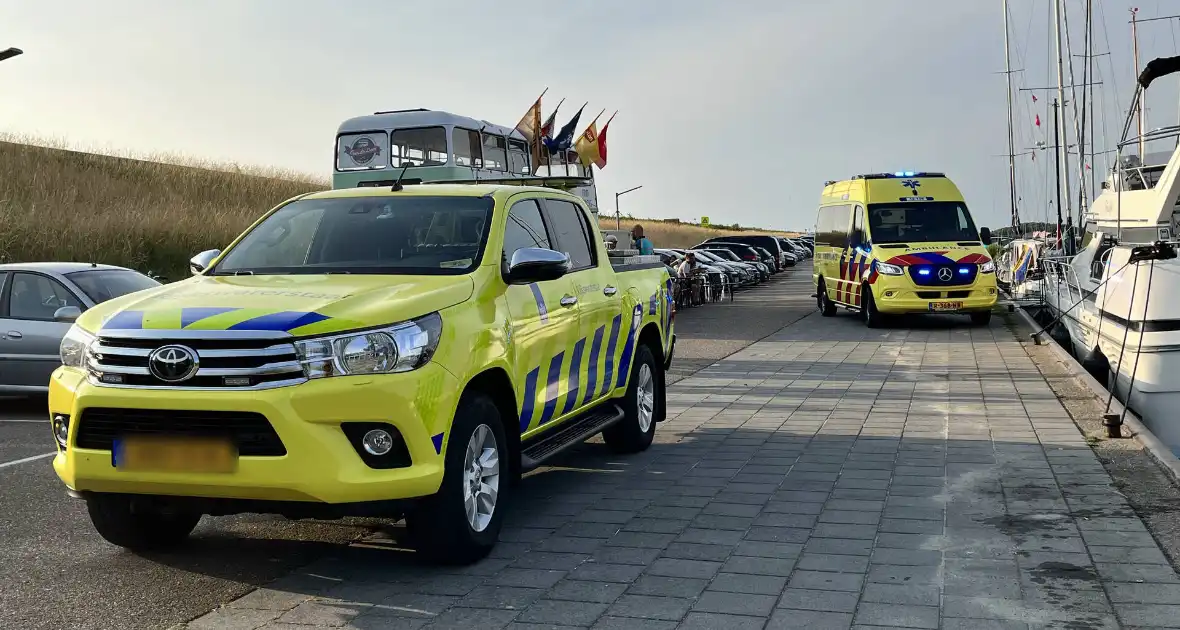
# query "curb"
(1155, 448)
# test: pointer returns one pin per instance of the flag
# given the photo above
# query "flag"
(565, 137)
(529, 124)
(601, 162)
(587, 144)
(547, 128)
(530, 127)
(1034, 98)
(1038, 120)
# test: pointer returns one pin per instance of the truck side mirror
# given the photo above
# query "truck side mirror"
(536, 264)
(199, 263)
(985, 236)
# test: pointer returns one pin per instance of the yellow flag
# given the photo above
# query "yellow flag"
(587, 146)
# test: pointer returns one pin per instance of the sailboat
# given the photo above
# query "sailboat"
(1120, 295)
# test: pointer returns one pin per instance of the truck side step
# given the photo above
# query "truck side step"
(575, 431)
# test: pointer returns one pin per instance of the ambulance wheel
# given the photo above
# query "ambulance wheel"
(635, 432)
(137, 526)
(873, 318)
(461, 522)
(827, 307)
(981, 319)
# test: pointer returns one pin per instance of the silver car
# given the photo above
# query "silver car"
(38, 303)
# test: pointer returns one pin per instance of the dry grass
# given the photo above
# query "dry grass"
(153, 212)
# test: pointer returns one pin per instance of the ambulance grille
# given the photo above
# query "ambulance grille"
(223, 361)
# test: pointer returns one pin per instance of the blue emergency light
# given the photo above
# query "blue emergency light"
(923, 272)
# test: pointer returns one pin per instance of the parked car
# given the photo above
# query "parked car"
(759, 268)
(765, 241)
(743, 251)
(740, 275)
(39, 302)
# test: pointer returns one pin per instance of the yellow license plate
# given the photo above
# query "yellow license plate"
(174, 454)
(946, 306)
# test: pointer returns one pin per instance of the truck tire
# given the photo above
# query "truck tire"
(873, 318)
(636, 430)
(827, 307)
(981, 319)
(138, 527)
(461, 522)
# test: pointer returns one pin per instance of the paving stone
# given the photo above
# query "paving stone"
(735, 603)
(783, 619)
(601, 572)
(630, 623)
(649, 607)
(831, 562)
(234, 619)
(823, 581)
(675, 567)
(753, 565)
(668, 586)
(715, 621)
(503, 597)
(569, 613)
(897, 615)
(471, 618)
(583, 591)
(746, 583)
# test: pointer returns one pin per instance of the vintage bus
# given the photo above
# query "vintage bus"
(436, 146)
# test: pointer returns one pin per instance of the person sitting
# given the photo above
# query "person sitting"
(689, 266)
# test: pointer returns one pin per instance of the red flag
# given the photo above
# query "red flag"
(601, 162)
(1038, 120)
(1087, 167)
(1034, 98)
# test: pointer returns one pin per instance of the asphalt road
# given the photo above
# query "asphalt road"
(55, 572)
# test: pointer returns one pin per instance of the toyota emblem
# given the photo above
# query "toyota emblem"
(173, 364)
(945, 274)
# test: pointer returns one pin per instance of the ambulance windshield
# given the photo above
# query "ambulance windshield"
(920, 222)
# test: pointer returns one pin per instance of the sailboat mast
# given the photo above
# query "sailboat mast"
(1063, 152)
(1011, 138)
(1135, 51)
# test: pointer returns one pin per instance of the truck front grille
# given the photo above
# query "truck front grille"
(224, 361)
(253, 434)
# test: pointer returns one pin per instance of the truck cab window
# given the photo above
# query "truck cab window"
(569, 228)
(524, 228)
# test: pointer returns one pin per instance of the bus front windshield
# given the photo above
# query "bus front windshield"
(404, 235)
(920, 222)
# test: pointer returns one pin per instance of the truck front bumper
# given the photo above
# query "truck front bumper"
(320, 463)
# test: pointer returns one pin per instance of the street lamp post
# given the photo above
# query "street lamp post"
(619, 217)
(9, 53)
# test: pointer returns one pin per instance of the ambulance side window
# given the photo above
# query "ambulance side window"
(857, 237)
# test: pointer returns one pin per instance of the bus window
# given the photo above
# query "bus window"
(518, 157)
(425, 146)
(494, 156)
(467, 152)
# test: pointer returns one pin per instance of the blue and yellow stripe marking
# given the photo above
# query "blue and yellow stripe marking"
(573, 376)
(212, 318)
(551, 388)
(542, 310)
(530, 398)
(592, 378)
(610, 353)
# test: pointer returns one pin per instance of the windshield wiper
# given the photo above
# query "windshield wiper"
(243, 272)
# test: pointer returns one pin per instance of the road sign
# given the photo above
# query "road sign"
(705, 221)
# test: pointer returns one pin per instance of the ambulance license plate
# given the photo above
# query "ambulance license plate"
(174, 454)
(945, 306)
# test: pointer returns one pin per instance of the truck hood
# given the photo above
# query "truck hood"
(296, 304)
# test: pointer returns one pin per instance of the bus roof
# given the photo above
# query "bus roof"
(409, 118)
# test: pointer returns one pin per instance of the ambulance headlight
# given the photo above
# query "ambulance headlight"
(888, 269)
(988, 267)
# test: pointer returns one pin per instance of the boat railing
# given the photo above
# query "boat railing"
(1061, 274)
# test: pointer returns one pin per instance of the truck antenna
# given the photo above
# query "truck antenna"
(397, 185)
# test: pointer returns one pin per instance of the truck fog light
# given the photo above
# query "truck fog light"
(377, 442)
(889, 294)
(61, 429)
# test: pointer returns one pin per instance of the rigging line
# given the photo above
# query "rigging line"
(1139, 348)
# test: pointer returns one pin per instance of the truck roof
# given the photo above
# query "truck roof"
(445, 190)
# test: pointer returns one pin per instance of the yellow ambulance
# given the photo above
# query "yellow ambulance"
(901, 243)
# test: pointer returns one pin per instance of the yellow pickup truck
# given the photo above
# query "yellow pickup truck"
(393, 352)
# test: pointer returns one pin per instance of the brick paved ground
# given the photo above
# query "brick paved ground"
(827, 477)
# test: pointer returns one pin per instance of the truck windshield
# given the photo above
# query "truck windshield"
(407, 235)
(920, 222)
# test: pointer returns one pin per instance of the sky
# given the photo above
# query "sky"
(735, 110)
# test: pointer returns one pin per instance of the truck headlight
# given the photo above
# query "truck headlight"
(888, 269)
(988, 267)
(397, 348)
(73, 347)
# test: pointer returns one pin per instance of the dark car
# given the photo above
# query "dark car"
(765, 241)
(746, 252)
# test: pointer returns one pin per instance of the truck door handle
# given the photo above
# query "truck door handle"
(609, 290)
(13, 334)
(569, 300)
